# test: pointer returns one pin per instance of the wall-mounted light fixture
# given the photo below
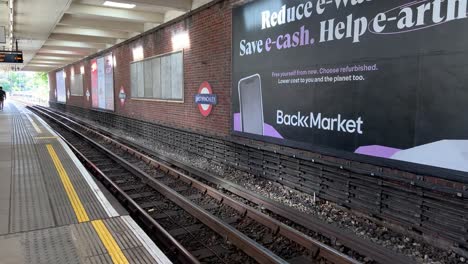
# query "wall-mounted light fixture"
(138, 53)
(180, 40)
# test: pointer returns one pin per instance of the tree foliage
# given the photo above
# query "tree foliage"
(35, 82)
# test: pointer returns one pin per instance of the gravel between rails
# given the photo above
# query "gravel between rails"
(329, 212)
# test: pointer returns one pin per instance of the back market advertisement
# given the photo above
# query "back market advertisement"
(387, 79)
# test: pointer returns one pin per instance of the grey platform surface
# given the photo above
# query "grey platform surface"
(38, 223)
(30, 208)
(77, 243)
(5, 169)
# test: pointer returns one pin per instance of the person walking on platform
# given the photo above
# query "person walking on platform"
(2, 97)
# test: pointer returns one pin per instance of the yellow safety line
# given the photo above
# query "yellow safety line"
(72, 195)
(109, 242)
(46, 137)
(36, 127)
(103, 232)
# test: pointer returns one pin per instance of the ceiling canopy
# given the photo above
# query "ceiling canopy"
(54, 33)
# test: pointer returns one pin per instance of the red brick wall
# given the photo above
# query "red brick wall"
(52, 87)
(86, 84)
(80, 101)
(207, 59)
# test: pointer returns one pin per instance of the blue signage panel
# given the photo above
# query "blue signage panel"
(11, 57)
(211, 99)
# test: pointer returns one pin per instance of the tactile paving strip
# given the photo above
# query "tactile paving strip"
(53, 245)
(29, 207)
(130, 245)
(93, 251)
(60, 201)
(87, 196)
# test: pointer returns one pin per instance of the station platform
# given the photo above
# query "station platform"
(51, 209)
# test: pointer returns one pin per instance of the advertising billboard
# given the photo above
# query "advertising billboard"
(61, 91)
(102, 82)
(360, 79)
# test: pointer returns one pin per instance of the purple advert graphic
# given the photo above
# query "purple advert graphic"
(377, 151)
(268, 130)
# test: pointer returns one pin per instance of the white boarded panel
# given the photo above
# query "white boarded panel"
(140, 80)
(177, 75)
(133, 77)
(148, 70)
(61, 93)
(2, 35)
(156, 64)
(79, 84)
(160, 77)
(109, 81)
(76, 85)
(101, 74)
(166, 77)
(72, 84)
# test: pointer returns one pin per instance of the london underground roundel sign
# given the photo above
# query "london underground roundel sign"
(205, 99)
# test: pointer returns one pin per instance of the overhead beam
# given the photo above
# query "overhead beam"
(42, 65)
(118, 13)
(77, 50)
(50, 55)
(79, 38)
(37, 69)
(182, 5)
(67, 51)
(37, 61)
(58, 58)
(75, 44)
(64, 52)
(79, 21)
(91, 32)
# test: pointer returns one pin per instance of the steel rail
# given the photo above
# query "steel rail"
(243, 242)
(362, 246)
(315, 246)
(162, 235)
(318, 248)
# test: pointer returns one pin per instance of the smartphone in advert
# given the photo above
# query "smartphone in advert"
(251, 106)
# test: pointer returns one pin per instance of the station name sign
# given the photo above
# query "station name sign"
(11, 57)
(211, 99)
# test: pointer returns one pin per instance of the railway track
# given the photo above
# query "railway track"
(186, 207)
